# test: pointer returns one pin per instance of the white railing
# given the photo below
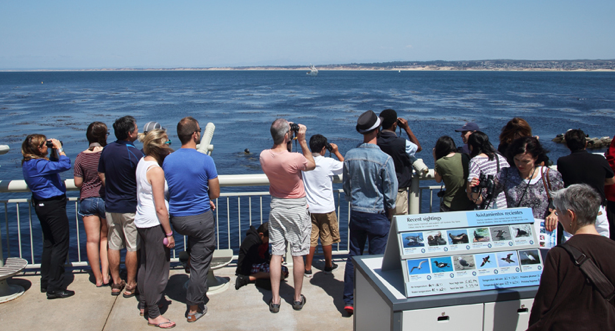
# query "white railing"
(21, 234)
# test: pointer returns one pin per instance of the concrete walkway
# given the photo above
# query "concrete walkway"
(94, 308)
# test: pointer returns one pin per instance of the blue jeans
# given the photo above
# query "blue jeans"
(92, 207)
(363, 227)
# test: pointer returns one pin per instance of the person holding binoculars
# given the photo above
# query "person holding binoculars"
(42, 174)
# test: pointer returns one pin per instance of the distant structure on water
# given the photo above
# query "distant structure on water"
(313, 71)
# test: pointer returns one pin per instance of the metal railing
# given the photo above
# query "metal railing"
(234, 213)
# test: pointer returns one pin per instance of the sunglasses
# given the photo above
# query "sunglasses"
(168, 142)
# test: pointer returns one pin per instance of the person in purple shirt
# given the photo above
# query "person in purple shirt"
(42, 175)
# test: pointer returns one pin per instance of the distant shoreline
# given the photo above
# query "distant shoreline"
(474, 65)
(324, 68)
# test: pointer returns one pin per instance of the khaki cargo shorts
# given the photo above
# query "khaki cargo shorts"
(325, 226)
(122, 231)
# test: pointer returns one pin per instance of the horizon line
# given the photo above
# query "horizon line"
(239, 67)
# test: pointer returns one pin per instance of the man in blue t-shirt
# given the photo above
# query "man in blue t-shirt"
(193, 182)
(116, 168)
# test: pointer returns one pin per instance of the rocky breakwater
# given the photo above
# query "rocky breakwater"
(592, 143)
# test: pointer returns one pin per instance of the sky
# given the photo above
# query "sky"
(63, 34)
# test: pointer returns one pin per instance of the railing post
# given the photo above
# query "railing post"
(414, 196)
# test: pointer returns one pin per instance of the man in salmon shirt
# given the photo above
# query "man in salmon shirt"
(289, 221)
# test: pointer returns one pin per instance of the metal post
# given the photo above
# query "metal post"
(414, 197)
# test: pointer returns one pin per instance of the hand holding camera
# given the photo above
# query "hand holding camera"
(485, 181)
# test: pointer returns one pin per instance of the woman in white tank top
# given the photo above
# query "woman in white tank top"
(152, 222)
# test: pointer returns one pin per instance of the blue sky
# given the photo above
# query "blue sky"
(64, 34)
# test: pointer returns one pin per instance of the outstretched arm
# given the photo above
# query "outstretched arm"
(311, 165)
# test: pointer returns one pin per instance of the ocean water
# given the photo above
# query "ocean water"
(242, 105)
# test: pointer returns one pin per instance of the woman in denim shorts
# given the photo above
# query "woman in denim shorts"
(92, 203)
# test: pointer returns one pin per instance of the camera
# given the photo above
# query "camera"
(441, 193)
(485, 181)
(329, 147)
(49, 143)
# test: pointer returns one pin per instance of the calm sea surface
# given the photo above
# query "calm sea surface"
(242, 105)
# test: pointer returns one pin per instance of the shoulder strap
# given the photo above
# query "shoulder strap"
(546, 182)
(592, 272)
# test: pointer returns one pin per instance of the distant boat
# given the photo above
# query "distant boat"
(313, 71)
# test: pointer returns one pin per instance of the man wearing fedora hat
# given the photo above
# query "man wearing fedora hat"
(370, 185)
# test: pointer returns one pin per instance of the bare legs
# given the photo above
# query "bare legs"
(275, 268)
(298, 269)
(275, 271)
(309, 258)
(131, 267)
(327, 250)
(96, 246)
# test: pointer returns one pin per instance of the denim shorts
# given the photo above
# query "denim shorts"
(92, 207)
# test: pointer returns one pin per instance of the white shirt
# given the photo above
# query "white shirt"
(319, 184)
(146, 216)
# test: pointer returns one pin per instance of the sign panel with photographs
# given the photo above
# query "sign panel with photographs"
(464, 251)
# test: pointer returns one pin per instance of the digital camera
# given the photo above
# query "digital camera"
(485, 181)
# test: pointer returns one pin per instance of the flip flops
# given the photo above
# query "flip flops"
(164, 325)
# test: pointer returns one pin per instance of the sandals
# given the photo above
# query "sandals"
(298, 305)
(191, 318)
(119, 287)
(164, 325)
(131, 291)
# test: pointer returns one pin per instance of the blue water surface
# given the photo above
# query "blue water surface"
(242, 105)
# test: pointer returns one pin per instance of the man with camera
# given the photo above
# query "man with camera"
(116, 169)
(402, 151)
(289, 221)
(319, 193)
(370, 185)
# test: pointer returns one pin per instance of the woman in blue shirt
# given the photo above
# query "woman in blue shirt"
(42, 175)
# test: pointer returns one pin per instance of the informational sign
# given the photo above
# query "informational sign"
(546, 239)
(465, 251)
